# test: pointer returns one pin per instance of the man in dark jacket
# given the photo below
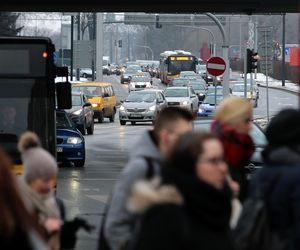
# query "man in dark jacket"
(154, 145)
(282, 171)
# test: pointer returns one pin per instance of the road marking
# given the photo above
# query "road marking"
(101, 198)
(96, 179)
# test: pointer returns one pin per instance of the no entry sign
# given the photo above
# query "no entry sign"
(216, 66)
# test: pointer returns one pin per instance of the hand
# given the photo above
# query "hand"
(53, 224)
(235, 188)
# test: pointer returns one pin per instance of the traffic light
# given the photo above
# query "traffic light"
(157, 24)
(252, 58)
(120, 43)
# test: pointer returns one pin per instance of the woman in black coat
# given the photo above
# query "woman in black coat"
(191, 208)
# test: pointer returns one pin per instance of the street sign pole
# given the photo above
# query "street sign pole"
(99, 47)
(267, 82)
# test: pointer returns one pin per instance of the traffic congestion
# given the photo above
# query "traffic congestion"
(147, 145)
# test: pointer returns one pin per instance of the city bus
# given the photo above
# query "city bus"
(171, 63)
(28, 93)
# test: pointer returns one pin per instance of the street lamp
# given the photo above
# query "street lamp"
(147, 47)
(208, 30)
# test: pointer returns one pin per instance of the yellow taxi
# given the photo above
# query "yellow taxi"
(102, 97)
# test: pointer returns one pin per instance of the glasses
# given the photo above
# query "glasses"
(214, 161)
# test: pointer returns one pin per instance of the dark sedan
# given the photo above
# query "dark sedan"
(70, 142)
(82, 113)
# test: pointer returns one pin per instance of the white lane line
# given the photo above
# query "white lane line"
(101, 198)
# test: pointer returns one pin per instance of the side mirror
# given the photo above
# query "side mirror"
(63, 95)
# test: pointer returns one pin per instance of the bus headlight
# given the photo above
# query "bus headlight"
(74, 140)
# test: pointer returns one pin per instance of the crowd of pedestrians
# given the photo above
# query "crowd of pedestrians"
(175, 192)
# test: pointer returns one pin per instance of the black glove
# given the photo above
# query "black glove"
(69, 230)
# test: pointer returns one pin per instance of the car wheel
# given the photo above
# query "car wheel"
(90, 129)
(83, 129)
(122, 122)
(132, 123)
(79, 163)
(112, 117)
(101, 117)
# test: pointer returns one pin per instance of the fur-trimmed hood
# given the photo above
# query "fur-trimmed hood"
(145, 194)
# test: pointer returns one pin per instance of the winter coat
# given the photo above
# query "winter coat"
(284, 198)
(119, 221)
(238, 149)
(186, 214)
(41, 208)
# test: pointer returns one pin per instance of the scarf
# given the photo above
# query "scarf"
(44, 205)
(238, 148)
(204, 203)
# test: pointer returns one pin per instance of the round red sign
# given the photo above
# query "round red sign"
(216, 66)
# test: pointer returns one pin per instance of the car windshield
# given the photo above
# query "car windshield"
(197, 86)
(139, 79)
(63, 121)
(180, 82)
(256, 133)
(76, 100)
(212, 91)
(240, 88)
(141, 97)
(89, 91)
(211, 100)
(172, 92)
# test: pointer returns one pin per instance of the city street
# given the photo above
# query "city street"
(86, 191)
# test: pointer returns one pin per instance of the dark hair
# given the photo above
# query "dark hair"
(13, 212)
(168, 116)
(184, 154)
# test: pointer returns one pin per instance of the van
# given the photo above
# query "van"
(101, 96)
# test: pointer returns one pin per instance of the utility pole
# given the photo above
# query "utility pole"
(283, 51)
(99, 47)
(72, 46)
(78, 38)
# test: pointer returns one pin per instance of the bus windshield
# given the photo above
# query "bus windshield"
(175, 67)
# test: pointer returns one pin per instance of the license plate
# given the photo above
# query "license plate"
(136, 115)
(59, 149)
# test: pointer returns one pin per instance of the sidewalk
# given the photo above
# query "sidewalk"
(277, 84)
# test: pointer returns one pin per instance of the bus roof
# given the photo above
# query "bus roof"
(175, 53)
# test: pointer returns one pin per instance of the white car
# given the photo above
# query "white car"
(139, 83)
(184, 97)
(238, 89)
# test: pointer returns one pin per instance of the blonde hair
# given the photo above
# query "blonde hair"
(233, 110)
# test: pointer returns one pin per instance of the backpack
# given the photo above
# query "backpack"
(102, 242)
(253, 230)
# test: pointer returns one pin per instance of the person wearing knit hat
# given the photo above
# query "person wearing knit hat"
(232, 124)
(37, 187)
(281, 176)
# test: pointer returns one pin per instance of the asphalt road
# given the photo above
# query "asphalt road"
(86, 191)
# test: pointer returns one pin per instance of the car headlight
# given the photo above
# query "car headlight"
(200, 110)
(78, 112)
(95, 105)
(201, 94)
(74, 140)
(152, 108)
(122, 108)
(185, 103)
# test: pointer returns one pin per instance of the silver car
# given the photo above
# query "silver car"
(142, 106)
(184, 97)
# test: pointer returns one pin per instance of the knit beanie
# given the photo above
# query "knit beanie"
(284, 128)
(38, 163)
